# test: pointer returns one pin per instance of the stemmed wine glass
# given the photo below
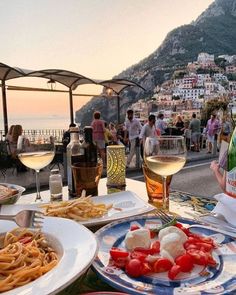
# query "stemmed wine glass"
(36, 152)
(165, 155)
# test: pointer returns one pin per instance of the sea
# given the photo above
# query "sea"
(45, 122)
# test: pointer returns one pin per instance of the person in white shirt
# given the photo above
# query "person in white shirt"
(132, 130)
(148, 130)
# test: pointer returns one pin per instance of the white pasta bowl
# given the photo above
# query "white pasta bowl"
(76, 247)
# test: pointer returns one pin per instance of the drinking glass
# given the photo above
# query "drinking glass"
(36, 152)
(165, 156)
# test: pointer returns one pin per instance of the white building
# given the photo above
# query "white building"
(193, 93)
(232, 85)
(205, 59)
(228, 58)
(202, 79)
(218, 77)
(210, 87)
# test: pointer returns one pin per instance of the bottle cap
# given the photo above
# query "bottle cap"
(54, 171)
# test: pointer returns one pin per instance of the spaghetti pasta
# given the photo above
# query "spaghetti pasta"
(24, 256)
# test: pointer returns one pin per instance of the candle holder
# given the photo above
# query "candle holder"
(115, 168)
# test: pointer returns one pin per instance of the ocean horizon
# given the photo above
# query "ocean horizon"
(46, 122)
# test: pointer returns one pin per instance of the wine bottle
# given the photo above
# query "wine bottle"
(231, 171)
(89, 149)
(74, 155)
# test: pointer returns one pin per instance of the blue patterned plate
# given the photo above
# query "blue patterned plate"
(201, 280)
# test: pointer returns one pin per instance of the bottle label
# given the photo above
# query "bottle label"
(231, 183)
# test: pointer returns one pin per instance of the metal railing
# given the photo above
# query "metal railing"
(56, 133)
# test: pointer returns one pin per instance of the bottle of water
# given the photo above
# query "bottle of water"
(55, 185)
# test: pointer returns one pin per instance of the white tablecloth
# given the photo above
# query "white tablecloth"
(132, 185)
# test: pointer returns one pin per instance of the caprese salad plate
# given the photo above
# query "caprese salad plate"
(141, 256)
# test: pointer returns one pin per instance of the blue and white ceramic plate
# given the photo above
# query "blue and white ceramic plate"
(201, 280)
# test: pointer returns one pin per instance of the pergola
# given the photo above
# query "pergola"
(69, 79)
(117, 86)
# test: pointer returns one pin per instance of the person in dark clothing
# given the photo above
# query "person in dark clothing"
(66, 137)
(65, 141)
(179, 126)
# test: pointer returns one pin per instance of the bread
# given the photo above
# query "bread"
(7, 192)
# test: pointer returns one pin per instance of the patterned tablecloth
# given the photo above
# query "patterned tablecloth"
(180, 203)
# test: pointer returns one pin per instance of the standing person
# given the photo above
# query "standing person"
(120, 134)
(195, 127)
(212, 129)
(98, 135)
(148, 130)
(225, 130)
(133, 127)
(107, 134)
(160, 124)
(113, 132)
(179, 124)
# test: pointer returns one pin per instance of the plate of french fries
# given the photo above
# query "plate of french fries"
(88, 210)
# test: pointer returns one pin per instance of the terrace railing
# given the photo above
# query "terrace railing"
(56, 133)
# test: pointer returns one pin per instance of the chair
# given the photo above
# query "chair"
(6, 160)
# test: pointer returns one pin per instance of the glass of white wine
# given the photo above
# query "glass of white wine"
(36, 152)
(165, 155)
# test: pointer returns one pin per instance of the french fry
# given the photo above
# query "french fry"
(80, 209)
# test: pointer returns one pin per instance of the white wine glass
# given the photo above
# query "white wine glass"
(36, 152)
(165, 155)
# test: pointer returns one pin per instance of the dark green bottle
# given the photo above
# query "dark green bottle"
(231, 173)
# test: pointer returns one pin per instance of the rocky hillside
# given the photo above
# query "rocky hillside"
(214, 32)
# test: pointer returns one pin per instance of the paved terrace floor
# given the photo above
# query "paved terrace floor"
(27, 179)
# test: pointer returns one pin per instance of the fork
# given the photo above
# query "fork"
(166, 219)
(26, 218)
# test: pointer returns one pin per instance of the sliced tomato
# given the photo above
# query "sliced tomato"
(185, 262)
(204, 246)
(199, 257)
(184, 229)
(152, 234)
(162, 265)
(120, 262)
(155, 247)
(146, 268)
(25, 240)
(133, 268)
(210, 260)
(134, 227)
(117, 253)
(174, 271)
(138, 255)
(145, 251)
(179, 225)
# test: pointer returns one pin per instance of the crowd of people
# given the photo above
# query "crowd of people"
(132, 133)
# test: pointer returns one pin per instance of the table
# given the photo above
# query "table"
(180, 202)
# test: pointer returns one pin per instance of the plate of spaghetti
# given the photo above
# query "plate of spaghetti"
(46, 261)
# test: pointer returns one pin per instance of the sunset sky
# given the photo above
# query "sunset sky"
(96, 38)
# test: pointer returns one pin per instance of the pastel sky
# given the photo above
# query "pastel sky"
(96, 38)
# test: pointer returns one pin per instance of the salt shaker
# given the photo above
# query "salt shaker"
(55, 185)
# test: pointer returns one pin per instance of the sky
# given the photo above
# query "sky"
(95, 38)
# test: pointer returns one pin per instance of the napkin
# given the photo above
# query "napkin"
(227, 207)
